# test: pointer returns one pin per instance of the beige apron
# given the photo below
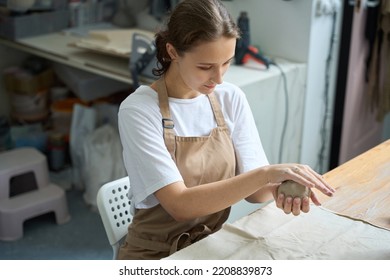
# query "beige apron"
(153, 233)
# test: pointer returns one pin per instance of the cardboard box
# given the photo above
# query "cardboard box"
(34, 24)
(19, 81)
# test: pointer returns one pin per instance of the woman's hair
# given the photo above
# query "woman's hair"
(193, 22)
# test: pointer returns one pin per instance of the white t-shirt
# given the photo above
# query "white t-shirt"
(147, 160)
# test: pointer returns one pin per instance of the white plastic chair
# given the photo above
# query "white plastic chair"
(114, 208)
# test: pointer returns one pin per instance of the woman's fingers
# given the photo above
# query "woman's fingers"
(288, 205)
(322, 185)
(280, 201)
(306, 176)
(296, 205)
(314, 199)
(305, 204)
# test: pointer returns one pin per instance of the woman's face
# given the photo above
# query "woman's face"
(202, 68)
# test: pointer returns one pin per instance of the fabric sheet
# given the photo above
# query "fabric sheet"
(268, 233)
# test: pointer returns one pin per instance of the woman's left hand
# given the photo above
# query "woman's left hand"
(296, 205)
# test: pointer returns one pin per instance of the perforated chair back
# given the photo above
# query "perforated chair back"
(114, 208)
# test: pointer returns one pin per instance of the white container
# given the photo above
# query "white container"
(88, 86)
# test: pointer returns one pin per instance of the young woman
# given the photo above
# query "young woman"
(191, 147)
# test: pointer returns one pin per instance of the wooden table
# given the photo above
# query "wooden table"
(363, 187)
(363, 193)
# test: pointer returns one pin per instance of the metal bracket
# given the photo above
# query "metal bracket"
(142, 58)
(167, 123)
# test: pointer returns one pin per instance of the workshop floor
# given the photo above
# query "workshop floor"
(82, 238)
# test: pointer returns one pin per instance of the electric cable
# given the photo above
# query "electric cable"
(321, 154)
(286, 104)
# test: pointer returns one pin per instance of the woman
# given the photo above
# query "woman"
(191, 147)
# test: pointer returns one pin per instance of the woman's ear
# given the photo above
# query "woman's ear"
(171, 51)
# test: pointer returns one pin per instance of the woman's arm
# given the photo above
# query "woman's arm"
(188, 203)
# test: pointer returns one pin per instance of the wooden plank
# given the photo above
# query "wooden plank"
(363, 187)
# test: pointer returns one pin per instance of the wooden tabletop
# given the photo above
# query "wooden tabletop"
(363, 187)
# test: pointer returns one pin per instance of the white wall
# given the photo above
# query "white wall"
(279, 28)
(291, 30)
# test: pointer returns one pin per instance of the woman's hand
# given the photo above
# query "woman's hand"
(293, 205)
(302, 174)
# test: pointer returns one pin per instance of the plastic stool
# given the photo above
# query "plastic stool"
(47, 197)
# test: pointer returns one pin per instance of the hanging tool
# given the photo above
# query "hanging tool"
(244, 50)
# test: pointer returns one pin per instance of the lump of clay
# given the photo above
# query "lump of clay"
(293, 189)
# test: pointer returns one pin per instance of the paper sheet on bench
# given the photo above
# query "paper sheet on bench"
(116, 42)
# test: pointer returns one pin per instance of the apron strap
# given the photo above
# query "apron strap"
(187, 238)
(167, 122)
(217, 110)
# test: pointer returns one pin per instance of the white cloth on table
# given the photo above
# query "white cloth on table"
(268, 233)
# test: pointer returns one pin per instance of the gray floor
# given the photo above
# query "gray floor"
(82, 238)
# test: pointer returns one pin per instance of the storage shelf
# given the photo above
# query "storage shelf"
(56, 47)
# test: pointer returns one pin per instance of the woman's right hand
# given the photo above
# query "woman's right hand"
(302, 174)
